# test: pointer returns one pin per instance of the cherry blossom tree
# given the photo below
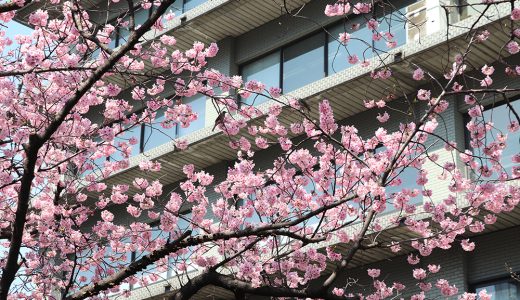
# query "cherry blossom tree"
(272, 232)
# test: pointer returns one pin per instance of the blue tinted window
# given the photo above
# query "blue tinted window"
(134, 131)
(265, 70)
(189, 4)
(359, 45)
(140, 17)
(303, 63)
(198, 105)
(408, 177)
(501, 117)
(393, 23)
(96, 164)
(155, 134)
(176, 7)
(506, 289)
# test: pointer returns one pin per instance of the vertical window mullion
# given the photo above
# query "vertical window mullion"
(326, 54)
(116, 36)
(142, 136)
(176, 130)
(281, 69)
(239, 99)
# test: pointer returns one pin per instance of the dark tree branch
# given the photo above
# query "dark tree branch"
(132, 269)
(242, 287)
(10, 6)
(36, 141)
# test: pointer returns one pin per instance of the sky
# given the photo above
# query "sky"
(15, 28)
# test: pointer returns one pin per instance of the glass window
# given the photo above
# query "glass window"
(176, 7)
(132, 132)
(267, 71)
(94, 166)
(501, 117)
(359, 45)
(113, 40)
(408, 177)
(469, 8)
(501, 290)
(140, 17)
(303, 63)
(198, 105)
(189, 4)
(155, 134)
(394, 24)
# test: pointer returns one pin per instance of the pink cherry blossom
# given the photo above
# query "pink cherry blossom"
(383, 118)
(91, 201)
(418, 74)
(512, 47)
(374, 273)
(419, 274)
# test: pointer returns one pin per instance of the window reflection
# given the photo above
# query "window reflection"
(501, 117)
(181, 6)
(306, 61)
(123, 31)
(408, 177)
(303, 63)
(358, 45)
(501, 290)
(126, 136)
(265, 70)
(394, 24)
(190, 4)
(176, 7)
(155, 134)
(198, 105)
(417, 20)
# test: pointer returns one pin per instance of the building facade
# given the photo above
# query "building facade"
(259, 40)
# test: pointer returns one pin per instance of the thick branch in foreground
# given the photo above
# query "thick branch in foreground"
(229, 283)
(13, 5)
(182, 242)
(36, 141)
(268, 230)
(12, 266)
(132, 269)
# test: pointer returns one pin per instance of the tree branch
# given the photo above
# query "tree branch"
(13, 5)
(36, 141)
(212, 278)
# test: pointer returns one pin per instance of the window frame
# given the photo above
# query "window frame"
(466, 118)
(117, 30)
(325, 31)
(493, 281)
